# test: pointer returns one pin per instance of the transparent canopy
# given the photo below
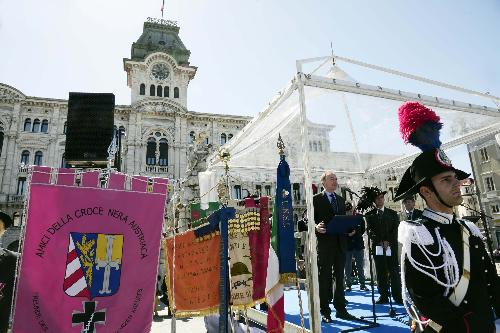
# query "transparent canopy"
(352, 128)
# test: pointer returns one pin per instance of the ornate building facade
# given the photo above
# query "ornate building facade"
(157, 127)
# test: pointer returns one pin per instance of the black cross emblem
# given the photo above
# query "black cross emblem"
(89, 317)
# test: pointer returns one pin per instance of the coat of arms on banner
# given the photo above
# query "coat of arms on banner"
(93, 269)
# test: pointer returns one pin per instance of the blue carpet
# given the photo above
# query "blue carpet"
(360, 304)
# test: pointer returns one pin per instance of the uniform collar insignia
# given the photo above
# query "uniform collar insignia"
(440, 217)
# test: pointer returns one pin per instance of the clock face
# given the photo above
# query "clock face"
(159, 71)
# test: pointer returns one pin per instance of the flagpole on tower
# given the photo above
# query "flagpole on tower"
(162, 7)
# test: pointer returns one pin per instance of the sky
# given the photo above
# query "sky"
(245, 51)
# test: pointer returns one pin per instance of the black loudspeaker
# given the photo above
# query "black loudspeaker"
(89, 128)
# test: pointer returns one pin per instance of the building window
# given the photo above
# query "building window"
(27, 125)
(176, 92)
(65, 127)
(490, 185)
(21, 185)
(223, 138)
(320, 148)
(38, 158)
(36, 126)
(296, 192)
(191, 137)
(25, 157)
(151, 152)
(45, 126)
(237, 191)
(159, 91)
(166, 91)
(163, 161)
(206, 141)
(268, 190)
(152, 90)
(63, 161)
(310, 146)
(142, 89)
(495, 209)
(258, 190)
(315, 146)
(484, 155)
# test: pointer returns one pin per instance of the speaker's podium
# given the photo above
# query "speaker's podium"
(89, 129)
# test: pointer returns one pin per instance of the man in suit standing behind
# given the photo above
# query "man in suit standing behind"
(383, 225)
(331, 249)
(410, 213)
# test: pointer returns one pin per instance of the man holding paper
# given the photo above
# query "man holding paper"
(331, 249)
(383, 225)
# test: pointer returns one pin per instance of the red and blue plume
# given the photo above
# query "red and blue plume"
(419, 126)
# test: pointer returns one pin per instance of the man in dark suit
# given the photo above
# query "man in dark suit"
(383, 225)
(331, 249)
(410, 213)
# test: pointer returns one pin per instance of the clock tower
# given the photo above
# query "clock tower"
(158, 68)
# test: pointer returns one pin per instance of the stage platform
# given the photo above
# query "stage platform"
(360, 304)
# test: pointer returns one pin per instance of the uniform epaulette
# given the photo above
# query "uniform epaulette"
(415, 232)
(474, 230)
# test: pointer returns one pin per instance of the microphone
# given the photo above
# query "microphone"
(347, 189)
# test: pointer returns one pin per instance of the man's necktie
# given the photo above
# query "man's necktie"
(333, 202)
(409, 214)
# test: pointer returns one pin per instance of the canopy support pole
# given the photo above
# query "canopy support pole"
(311, 255)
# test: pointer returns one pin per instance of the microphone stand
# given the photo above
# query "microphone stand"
(370, 324)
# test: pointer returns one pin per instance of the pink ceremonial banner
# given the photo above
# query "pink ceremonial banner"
(89, 260)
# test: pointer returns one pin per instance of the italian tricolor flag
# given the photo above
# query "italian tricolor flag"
(274, 289)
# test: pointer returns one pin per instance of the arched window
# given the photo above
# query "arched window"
(27, 125)
(163, 160)
(191, 137)
(230, 136)
(166, 91)
(45, 126)
(223, 138)
(152, 90)
(38, 158)
(159, 91)
(65, 127)
(122, 131)
(36, 126)
(142, 89)
(320, 148)
(315, 146)
(176, 92)
(151, 152)
(25, 157)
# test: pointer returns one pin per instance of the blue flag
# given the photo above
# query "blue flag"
(284, 210)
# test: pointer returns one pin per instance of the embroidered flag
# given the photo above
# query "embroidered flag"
(89, 260)
(284, 233)
(193, 273)
(248, 250)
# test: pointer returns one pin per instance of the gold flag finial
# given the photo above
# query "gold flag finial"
(281, 145)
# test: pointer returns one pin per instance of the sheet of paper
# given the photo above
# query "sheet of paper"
(379, 251)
